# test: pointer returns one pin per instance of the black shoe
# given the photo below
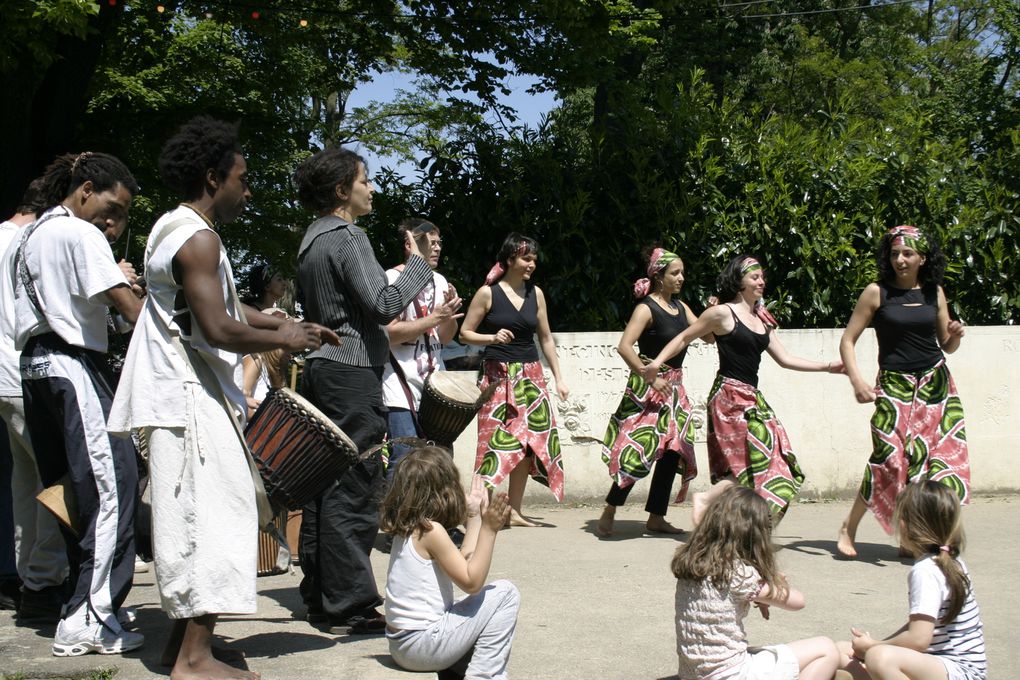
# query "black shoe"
(316, 615)
(10, 594)
(369, 622)
(41, 605)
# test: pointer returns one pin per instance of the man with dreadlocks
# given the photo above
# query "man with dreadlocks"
(65, 281)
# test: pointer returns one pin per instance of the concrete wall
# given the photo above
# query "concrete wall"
(827, 427)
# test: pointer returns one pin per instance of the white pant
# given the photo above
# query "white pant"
(204, 518)
(38, 543)
(474, 637)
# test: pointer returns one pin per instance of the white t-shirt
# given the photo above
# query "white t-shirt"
(417, 360)
(151, 390)
(10, 375)
(960, 640)
(72, 267)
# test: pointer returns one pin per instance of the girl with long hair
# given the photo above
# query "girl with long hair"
(517, 434)
(943, 638)
(747, 444)
(727, 565)
(652, 424)
(918, 430)
(427, 630)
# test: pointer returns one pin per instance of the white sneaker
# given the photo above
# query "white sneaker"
(94, 638)
(141, 566)
(127, 615)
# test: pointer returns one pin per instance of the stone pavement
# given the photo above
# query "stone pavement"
(595, 609)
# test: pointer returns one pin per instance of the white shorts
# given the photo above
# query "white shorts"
(774, 662)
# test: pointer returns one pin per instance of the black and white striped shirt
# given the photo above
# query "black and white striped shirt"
(960, 640)
(342, 286)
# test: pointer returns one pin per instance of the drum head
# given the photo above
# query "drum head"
(455, 386)
(287, 394)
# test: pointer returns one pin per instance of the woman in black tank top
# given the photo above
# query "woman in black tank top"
(517, 435)
(747, 444)
(652, 425)
(915, 396)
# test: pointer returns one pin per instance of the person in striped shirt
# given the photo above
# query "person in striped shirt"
(943, 637)
(343, 287)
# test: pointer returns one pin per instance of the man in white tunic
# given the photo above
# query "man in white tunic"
(187, 349)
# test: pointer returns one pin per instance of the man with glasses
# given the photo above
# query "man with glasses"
(417, 337)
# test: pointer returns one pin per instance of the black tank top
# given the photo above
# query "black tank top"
(740, 352)
(665, 327)
(502, 314)
(905, 327)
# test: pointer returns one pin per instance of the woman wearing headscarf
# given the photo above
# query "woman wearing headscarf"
(517, 435)
(652, 425)
(747, 444)
(917, 431)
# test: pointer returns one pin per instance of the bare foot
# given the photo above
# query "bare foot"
(657, 524)
(698, 504)
(604, 527)
(519, 520)
(224, 654)
(209, 669)
(845, 543)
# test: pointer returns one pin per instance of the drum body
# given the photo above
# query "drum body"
(298, 450)
(449, 402)
(274, 558)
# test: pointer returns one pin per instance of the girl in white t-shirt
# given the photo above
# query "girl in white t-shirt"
(943, 637)
(426, 629)
(727, 565)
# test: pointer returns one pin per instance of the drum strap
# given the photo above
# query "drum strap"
(407, 392)
(206, 377)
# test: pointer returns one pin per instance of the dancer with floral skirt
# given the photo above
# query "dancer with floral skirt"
(517, 435)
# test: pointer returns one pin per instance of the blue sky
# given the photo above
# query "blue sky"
(529, 107)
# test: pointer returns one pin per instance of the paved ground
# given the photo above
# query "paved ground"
(595, 609)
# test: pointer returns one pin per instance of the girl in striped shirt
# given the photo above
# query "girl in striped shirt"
(943, 636)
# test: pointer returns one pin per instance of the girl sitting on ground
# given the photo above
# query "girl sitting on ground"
(943, 638)
(727, 565)
(427, 630)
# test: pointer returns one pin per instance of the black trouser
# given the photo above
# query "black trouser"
(339, 528)
(67, 402)
(659, 491)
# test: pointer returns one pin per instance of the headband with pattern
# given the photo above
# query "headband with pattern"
(909, 236)
(498, 270)
(659, 260)
(760, 310)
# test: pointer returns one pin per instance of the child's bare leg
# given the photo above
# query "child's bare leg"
(515, 490)
(817, 657)
(702, 499)
(605, 525)
(850, 664)
(889, 662)
(848, 532)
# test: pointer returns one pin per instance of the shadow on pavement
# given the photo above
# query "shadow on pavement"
(628, 529)
(877, 554)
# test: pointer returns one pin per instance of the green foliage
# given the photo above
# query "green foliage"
(801, 143)
(700, 124)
